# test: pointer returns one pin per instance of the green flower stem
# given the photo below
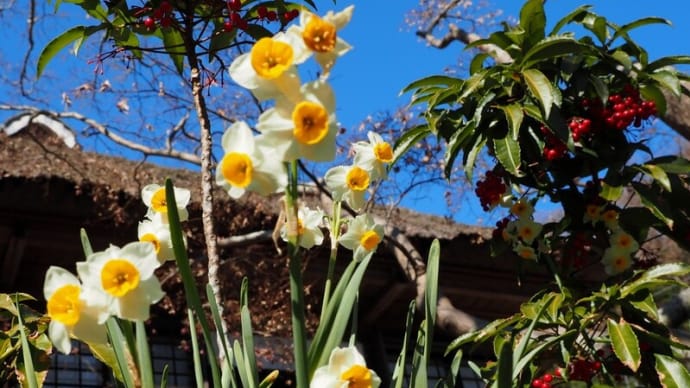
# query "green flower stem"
(335, 235)
(299, 332)
(554, 272)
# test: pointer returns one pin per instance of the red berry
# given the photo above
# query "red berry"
(547, 378)
(536, 383)
(235, 5)
(294, 13)
(149, 23)
(166, 21)
(157, 14)
(262, 12)
(227, 26)
(272, 16)
(165, 7)
(235, 18)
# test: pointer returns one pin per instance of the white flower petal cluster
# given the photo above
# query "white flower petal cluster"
(246, 166)
(374, 155)
(69, 312)
(305, 128)
(309, 223)
(348, 184)
(157, 233)
(346, 368)
(122, 280)
(318, 36)
(363, 236)
(153, 196)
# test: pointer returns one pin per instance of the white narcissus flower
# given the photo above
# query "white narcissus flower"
(319, 36)
(525, 252)
(304, 129)
(346, 368)
(268, 69)
(69, 314)
(153, 196)
(349, 184)
(527, 230)
(158, 234)
(309, 223)
(623, 241)
(362, 236)
(522, 208)
(245, 167)
(123, 280)
(374, 155)
(616, 260)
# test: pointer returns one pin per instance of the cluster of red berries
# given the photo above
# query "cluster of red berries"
(546, 380)
(581, 245)
(621, 110)
(583, 369)
(161, 15)
(235, 20)
(490, 190)
(580, 128)
(554, 149)
(501, 225)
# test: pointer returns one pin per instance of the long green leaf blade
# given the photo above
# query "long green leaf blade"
(541, 88)
(625, 343)
(144, 355)
(671, 372)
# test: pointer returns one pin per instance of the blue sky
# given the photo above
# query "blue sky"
(387, 55)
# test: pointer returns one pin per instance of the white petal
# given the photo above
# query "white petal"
(147, 193)
(242, 72)
(59, 336)
(238, 138)
(273, 121)
(323, 379)
(342, 18)
(335, 180)
(89, 330)
(57, 277)
(322, 93)
(143, 256)
(135, 305)
(293, 36)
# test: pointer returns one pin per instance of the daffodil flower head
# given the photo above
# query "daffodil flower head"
(319, 36)
(374, 155)
(304, 129)
(268, 68)
(157, 234)
(309, 222)
(527, 230)
(623, 241)
(616, 260)
(525, 252)
(522, 208)
(124, 279)
(610, 219)
(346, 368)
(69, 314)
(592, 213)
(348, 184)
(363, 236)
(246, 166)
(153, 196)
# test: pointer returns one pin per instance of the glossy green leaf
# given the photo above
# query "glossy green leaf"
(672, 60)
(196, 354)
(652, 92)
(658, 174)
(644, 302)
(671, 372)
(29, 370)
(117, 341)
(507, 151)
(625, 344)
(430, 303)
(56, 45)
(624, 29)
(597, 24)
(408, 139)
(471, 156)
(554, 47)
(651, 202)
(514, 117)
(541, 88)
(457, 143)
(539, 347)
(575, 15)
(610, 193)
(667, 80)
(434, 80)
(228, 369)
(175, 47)
(623, 59)
(672, 164)
(533, 22)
